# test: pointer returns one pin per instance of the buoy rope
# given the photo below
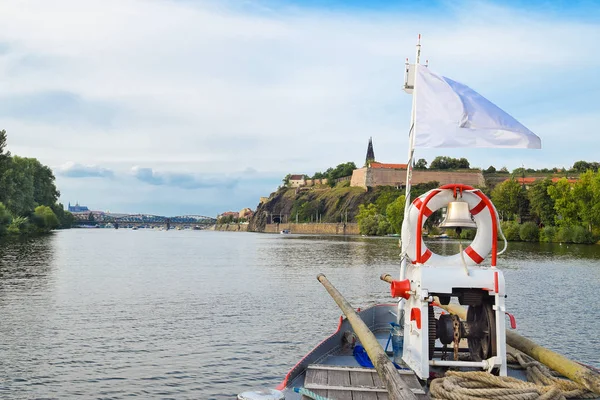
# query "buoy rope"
(476, 385)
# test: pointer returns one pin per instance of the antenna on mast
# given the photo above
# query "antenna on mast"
(418, 58)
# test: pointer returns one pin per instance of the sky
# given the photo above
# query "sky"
(175, 107)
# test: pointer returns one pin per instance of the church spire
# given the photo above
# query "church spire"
(370, 153)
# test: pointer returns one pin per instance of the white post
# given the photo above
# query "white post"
(411, 142)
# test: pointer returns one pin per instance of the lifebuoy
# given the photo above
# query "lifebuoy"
(474, 254)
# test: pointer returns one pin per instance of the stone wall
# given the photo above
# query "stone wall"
(318, 229)
(370, 177)
(231, 227)
(473, 178)
(359, 177)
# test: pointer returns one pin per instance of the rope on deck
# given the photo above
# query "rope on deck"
(477, 385)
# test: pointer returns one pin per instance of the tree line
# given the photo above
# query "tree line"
(551, 211)
(28, 196)
(331, 174)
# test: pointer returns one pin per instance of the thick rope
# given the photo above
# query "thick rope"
(476, 385)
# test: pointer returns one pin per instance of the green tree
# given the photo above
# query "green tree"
(45, 219)
(490, 170)
(44, 189)
(421, 164)
(443, 162)
(340, 171)
(583, 194)
(507, 198)
(395, 214)
(19, 186)
(565, 204)
(286, 180)
(386, 197)
(582, 166)
(370, 222)
(65, 218)
(540, 202)
(5, 219)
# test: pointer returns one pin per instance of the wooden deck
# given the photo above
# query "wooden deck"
(354, 383)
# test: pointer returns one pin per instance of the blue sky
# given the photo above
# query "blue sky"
(198, 107)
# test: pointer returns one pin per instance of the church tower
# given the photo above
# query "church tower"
(370, 153)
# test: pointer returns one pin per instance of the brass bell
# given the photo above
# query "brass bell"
(458, 216)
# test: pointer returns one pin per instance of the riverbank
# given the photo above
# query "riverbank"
(230, 227)
(301, 228)
(315, 228)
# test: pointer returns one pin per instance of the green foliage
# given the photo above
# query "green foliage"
(582, 235)
(5, 217)
(565, 234)
(586, 193)
(286, 180)
(529, 232)
(508, 197)
(548, 234)
(583, 166)
(370, 222)
(386, 197)
(490, 170)
(541, 204)
(511, 230)
(565, 205)
(395, 214)
(383, 226)
(24, 185)
(574, 234)
(421, 164)
(422, 188)
(468, 234)
(44, 219)
(443, 162)
(65, 218)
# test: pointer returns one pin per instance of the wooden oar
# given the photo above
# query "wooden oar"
(397, 389)
(569, 369)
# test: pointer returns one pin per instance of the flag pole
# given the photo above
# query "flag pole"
(411, 151)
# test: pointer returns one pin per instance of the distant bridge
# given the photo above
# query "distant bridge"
(130, 220)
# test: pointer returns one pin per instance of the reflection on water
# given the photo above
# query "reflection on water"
(197, 314)
(25, 263)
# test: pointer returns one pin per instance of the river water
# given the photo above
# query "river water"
(99, 313)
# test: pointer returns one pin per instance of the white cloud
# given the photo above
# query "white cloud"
(180, 180)
(207, 88)
(74, 170)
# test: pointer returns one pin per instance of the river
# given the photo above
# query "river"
(100, 313)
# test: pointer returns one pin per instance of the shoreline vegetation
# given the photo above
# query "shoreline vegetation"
(28, 197)
(548, 205)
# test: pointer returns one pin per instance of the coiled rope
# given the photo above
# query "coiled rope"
(477, 385)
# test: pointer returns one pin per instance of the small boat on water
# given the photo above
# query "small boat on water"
(444, 336)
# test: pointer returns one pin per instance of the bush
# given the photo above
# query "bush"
(384, 227)
(511, 230)
(529, 232)
(547, 234)
(582, 235)
(565, 234)
(18, 226)
(468, 234)
(45, 219)
(5, 219)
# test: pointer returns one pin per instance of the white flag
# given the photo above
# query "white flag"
(450, 114)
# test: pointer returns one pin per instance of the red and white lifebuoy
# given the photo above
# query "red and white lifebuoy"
(473, 254)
